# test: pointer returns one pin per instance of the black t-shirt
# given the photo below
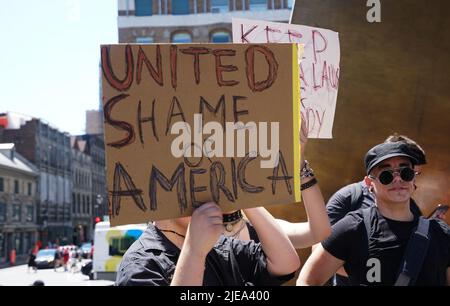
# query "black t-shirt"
(252, 232)
(387, 243)
(340, 203)
(152, 258)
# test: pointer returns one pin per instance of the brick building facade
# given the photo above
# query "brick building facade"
(18, 203)
(184, 21)
(49, 150)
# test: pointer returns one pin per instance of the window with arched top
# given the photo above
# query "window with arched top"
(220, 37)
(143, 7)
(182, 37)
(144, 40)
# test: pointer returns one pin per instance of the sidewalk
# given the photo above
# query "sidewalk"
(20, 276)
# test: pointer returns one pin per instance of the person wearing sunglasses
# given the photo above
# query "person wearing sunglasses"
(357, 195)
(370, 242)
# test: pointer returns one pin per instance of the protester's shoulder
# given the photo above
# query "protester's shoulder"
(344, 193)
(226, 244)
(230, 249)
(439, 226)
(353, 219)
(148, 261)
(339, 204)
(141, 247)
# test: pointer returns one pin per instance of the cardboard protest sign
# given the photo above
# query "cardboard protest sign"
(319, 67)
(191, 123)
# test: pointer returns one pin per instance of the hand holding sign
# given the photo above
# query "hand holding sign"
(190, 124)
(205, 228)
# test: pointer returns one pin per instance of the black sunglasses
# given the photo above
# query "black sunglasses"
(387, 176)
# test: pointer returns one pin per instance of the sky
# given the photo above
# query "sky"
(49, 58)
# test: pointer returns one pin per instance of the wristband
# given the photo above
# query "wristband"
(308, 184)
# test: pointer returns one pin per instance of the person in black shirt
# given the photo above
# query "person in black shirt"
(341, 203)
(357, 195)
(192, 251)
(373, 257)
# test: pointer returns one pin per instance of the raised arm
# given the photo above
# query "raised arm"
(319, 267)
(203, 232)
(282, 259)
(317, 228)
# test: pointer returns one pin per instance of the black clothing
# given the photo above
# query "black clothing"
(340, 203)
(252, 232)
(387, 243)
(32, 260)
(152, 258)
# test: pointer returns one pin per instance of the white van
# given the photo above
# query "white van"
(110, 244)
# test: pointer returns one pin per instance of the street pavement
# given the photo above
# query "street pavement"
(19, 276)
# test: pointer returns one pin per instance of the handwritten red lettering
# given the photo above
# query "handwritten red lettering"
(243, 36)
(315, 34)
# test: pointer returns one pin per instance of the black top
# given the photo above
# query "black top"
(387, 243)
(252, 232)
(152, 258)
(340, 203)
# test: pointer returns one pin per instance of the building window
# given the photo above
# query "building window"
(180, 7)
(17, 242)
(144, 40)
(17, 212)
(74, 203)
(26, 242)
(30, 190)
(182, 37)
(143, 7)
(219, 6)
(220, 37)
(16, 186)
(2, 184)
(88, 205)
(258, 5)
(2, 212)
(30, 213)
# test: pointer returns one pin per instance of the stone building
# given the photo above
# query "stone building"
(18, 203)
(82, 202)
(184, 21)
(49, 150)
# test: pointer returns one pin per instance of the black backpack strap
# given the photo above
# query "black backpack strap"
(356, 196)
(366, 218)
(252, 232)
(415, 253)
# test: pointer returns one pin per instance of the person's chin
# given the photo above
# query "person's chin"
(400, 197)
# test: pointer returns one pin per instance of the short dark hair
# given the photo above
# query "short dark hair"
(38, 283)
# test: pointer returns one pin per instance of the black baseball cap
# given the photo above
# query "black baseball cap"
(387, 150)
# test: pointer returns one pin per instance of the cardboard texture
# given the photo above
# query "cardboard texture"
(319, 66)
(149, 88)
